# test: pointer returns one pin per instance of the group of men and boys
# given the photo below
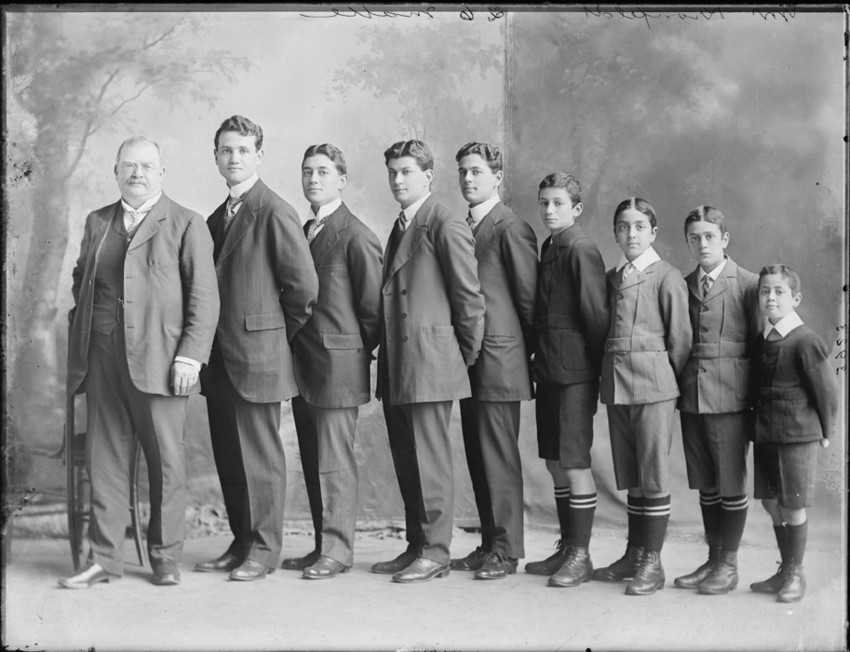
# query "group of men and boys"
(252, 309)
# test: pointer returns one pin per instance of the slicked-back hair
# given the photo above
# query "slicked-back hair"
(706, 214)
(331, 151)
(413, 148)
(132, 140)
(792, 277)
(638, 204)
(242, 126)
(563, 180)
(490, 153)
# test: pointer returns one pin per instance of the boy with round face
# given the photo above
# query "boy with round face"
(571, 320)
(506, 251)
(795, 397)
(723, 309)
(433, 324)
(332, 355)
(649, 341)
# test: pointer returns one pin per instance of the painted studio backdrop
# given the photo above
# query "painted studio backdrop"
(740, 111)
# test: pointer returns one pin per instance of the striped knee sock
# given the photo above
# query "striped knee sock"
(582, 510)
(635, 510)
(656, 513)
(734, 519)
(712, 518)
(562, 503)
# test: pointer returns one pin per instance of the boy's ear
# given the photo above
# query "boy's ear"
(578, 208)
(796, 299)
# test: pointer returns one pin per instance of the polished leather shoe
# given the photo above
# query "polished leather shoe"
(773, 583)
(300, 563)
(422, 570)
(88, 577)
(794, 585)
(324, 568)
(723, 577)
(496, 566)
(624, 568)
(649, 577)
(693, 580)
(224, 564)
(396, 565)
(576, 569)
(166, 575)
(250, 570)
(552, 563)
(472, 562)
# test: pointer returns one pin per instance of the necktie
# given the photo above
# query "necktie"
(469, 220)
(395, 237)
(627, 269)
(313, 229)
(706, 285)
(233, 204)
(402, 222)
(136, 216)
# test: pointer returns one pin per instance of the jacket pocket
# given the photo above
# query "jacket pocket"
(264, 321)
(336, 341)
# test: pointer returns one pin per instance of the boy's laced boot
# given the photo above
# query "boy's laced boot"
(793, 585)
(576, 569)
(552, 563)
(693, 580)
(624, 568)
(773, 583)
(723, 577)
(649, 577)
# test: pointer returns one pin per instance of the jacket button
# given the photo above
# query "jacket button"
(404, 291)
(701, 370)
(619, 319)
(620, 295)
(404, 315)
(704, 309)
(404, 338)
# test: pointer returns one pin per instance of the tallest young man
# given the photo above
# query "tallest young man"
(268, 285)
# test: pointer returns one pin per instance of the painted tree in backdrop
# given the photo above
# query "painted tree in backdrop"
(70, 76)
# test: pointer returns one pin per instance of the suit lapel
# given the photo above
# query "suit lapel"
(487, 229)
(148, 228)
(242, 221)
(693, 285)
(636, 277)
(410, 241)
(330, 234)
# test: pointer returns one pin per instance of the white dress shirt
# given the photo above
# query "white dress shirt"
(479, 211)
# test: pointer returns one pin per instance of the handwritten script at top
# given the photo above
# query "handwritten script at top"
(783, 12)
(362, 11)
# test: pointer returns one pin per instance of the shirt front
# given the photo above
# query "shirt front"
(323, 213)
(784, 326)
(145, 208)
(713, 274)
(240, 189)
(410, 212)
(480, 211)
(641, 262)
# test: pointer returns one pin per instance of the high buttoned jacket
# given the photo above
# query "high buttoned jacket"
(333, 349)
(572, 309)
(267, 283)
(725, 323)
(794, 390)
(433, 310)
(506, 249)
(170, 299)
(649, 339)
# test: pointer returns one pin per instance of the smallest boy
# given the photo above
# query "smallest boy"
(796, 399)
(648, 345)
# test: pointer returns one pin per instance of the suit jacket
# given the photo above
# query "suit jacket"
(171, 302)
(572, 310)
(649, 339)
(268, 286)
(333, 349)
(794, 390)
(433, 310)
(725, 324)
(506, 249)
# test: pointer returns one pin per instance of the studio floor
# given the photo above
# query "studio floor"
(360, 610)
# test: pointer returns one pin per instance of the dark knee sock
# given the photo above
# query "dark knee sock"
(734, 519)
(562, 503)
(797, 535)
(635, 509)
(582, 510)
(656, 514)
(712, 518)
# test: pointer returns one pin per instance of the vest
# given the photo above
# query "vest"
(109, 278)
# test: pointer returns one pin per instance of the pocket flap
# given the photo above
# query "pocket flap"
(264, 321)
(342, 340)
